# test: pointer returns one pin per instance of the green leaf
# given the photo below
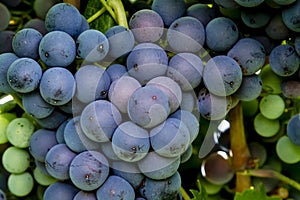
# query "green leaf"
(199, 194)
(102, 23)
(257, 194)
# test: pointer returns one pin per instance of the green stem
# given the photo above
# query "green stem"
(96, 15)
(120, 13)
(267, 173)
(184, 194)
(109, 9)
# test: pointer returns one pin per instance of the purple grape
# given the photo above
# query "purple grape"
(37, 24)
(60, 190)
(89, 170)
(290, 88)
(292, 129)
(250, 88)
(53, 121)
(202, 12)
(85, 195)
(290, 17)
(115, 71)
(6, 38)
(276, 29)
(6, 59)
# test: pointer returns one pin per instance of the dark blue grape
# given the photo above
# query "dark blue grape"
(53, 121)
(291, 16)
(92, 45)
(250, 88)
(115, 188)
(169, 10)
(89, 170)
(85, 195)
(26, 43)
(144, 68)
(221, 34)
(290, 88)
(255, 18)
(250, 55)
(37, 24)
(229, 4)
(115, 71)
(99, 119)
(92, 83)
(4, 17)
(24, 75)
(297, 45)
(63, 17)
(222, 75)
(34, 104)
(6, 59)
(266, 41)
(146, 25)
(121, 41)
(57, 48)
(186, 34)
(202, 12)
(60, 132)
(292, 129)
(57, 86)
(58, 160)
(276, 29)
(166, 189)
(130, 142)
(249, 3)
(41, 142)
(60, 190)
(75, 138)
(6, 38)
(284, 60)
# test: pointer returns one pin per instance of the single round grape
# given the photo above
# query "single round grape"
(5, 119)
(292, 129)
(41, 178)
(276, 29)
(116, 71)
(266, 127)
(186, 34)
(115, 188)
(284, 60)
(4, 17)
(121, 90)
(19, 132)
(171, 138)
(186, 69)
(202, 12)
(161, 189)
(24, 75)
(41, 7)
(250, 88)
(169, 10)
(211, 106)
(171, 88)
(15, 160)
(250, 108)
(227, 75)
(258, 152)
(60, 190)
(36, 106)
(6, 59)
(58, 160)
(144, 68)
(255, 19)
(272, 106)
(92, 83)
(249, 3)
(216, 168)
(148, 106)
(53, 121)
(89, 170)
(290, 17)
(57, 86)
(57, 48)
(37, 24)
(99, 119)
(221, 34)
(63, 17)
(161, 167)
(26, 43)
(41, 142)
(6, 38)
(270, 81)
(92, 45)
(287, 151)
(59, 133)
(85, 195)
(146, 25)
(129, 171)
(20, 184)
(250, 55)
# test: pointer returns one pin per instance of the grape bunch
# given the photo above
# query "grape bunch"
(128, 106)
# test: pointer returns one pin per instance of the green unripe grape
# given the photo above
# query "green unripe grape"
(15, 160)
(266, 127)
(270, 81)
(272, 106)
(287, 151)
(42, 178)
(250, 108)
(20, 184)
(5, 119)
(19, 132)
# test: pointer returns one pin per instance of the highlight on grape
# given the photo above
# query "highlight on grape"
(149, 100)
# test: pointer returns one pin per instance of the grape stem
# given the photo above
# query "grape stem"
(184, 194)
(239, 147)
(96, 15)
(267, 173)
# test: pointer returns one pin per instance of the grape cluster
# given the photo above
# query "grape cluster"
(114, 113)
